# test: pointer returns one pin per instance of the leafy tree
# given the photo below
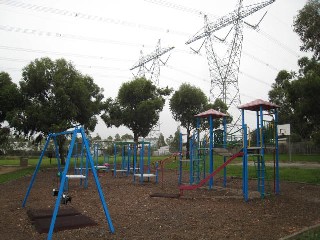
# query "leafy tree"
(10, 98)
(126, 137)
(56, 97)
(161, 142)
(303, 95)
(169, 140)
(185, 103)
(279, 95)
(117, 137)
(174, 144)
(307, 26)
(137, 106)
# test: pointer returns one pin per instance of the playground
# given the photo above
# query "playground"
(200, 214)
(131, 200)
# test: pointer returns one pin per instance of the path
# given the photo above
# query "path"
(287, 164)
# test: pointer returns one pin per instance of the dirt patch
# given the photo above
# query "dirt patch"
(200, 214)
(8, 169)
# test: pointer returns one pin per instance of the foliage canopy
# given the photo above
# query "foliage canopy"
(137, 106)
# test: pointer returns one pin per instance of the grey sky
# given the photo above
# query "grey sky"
(103, 39)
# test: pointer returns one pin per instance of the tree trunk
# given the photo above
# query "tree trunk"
(188, 144)
(61, 142)
(135, 138)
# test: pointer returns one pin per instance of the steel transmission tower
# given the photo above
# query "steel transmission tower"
(224, 71)
(153, 72)
(155, 59)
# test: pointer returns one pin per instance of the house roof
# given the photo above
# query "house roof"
(255, 105)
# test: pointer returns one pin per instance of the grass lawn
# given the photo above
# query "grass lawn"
(286, 174)
(312, 234)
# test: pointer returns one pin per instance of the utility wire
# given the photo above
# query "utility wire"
(67, 13)
(61, 53)
(85, 16)
(66, 35)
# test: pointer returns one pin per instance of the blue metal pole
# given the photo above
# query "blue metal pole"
(157, 172)
(244, 159)
(211, 151)
(102, 198)
(149, 157)
(277, 154)
(36, 170)
(115, 160)
(135, 153)
(123, 159)
(142, 161)
(191, 160)
(258, 131)
(180, 159)
(128, 162)
(198, 145)
(262, 154)
(224, 146)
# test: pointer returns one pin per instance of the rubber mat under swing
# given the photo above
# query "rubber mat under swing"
(67, 218)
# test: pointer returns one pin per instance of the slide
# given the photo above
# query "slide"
(202, 182)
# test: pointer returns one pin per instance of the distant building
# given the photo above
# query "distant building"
(162, 151)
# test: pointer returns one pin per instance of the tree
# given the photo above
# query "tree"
(185, 103)
(279, 95)
(137, 107)
(126, 137)
(161, 141)
(56, 97)
(307, 26)
(174, 143)
(303, 95)
(117, 137)
(10, 98)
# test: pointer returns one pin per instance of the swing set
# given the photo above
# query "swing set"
(64, 176)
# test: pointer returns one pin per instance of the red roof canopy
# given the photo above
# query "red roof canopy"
(255, 105)
(211, 112)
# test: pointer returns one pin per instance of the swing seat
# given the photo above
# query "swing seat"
(76, 176)
(145, 175)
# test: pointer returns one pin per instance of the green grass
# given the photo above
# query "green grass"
(298, 158)
(312, 234)
(286, 174)
(16, 174)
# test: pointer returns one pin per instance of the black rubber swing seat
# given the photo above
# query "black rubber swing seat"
(68, 218)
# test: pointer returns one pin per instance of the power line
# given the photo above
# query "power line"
(85, 16)
(65, 35)
(61, 53)
(116, 21)
(79, 65)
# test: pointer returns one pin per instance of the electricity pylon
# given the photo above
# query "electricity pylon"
(153, 72)
(224, 71)
(154, 58)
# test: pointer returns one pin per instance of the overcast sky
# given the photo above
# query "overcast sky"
(104, 38)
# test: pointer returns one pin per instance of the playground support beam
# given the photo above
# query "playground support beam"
(211, 151)
(277, 154)
(244, 161)
(224, 146)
